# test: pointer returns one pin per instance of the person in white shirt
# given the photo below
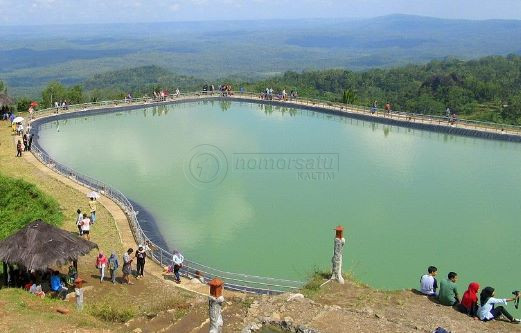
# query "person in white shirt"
(78, 220)
(491, 308)
(428, 283)
(85, 226)
(178, 263)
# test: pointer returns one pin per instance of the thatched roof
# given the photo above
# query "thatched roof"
(5, 100)
(40, 245)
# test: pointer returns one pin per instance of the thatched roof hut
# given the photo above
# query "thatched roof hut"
(5, 100)
(40, 245)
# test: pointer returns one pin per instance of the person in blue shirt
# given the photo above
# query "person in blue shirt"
(57, 285)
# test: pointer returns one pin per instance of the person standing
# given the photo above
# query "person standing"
(101, 263)
(30, 138)
(178, 263)
(79, 218)
(127, 265)
(85, 227)
(19, 149)
(92, 205)
(140, 256)
(26, 143)
(113, 266)
(448, 290)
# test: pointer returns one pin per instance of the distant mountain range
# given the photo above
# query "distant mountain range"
(32, 56)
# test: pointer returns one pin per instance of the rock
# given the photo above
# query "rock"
(137, 330)
(62, 310)
(275, 316)
(295, 297)
(255, 327)
(288, 320)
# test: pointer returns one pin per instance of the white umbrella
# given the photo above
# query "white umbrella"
(18, 120)
(93, 194)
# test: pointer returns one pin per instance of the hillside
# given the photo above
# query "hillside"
(32, 56)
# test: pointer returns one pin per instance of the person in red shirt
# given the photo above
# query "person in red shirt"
(101, 263)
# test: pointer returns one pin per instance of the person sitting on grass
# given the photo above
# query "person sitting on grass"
(491, 308)
(469, 302)
(428, 283)
(448, 294)
(57, 286)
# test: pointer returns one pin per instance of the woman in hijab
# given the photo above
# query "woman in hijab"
(469, 302)
(491, 308)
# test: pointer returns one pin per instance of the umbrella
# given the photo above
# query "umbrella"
(93, 194)
(34, 104)
(18, 120)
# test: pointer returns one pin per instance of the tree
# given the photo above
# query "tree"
(54, 91)
(348, 97)
(22, 104)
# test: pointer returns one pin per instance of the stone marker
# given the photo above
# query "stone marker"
(337, 255)
(215, 302)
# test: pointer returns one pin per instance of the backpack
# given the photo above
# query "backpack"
(112, 264)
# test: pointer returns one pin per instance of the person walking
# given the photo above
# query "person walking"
(85, 227)
(140, 256)
(79, 218)
(19, 149)
(113, 266)
(127, 265)
(101, 263)
(92, 205)
(178, 263)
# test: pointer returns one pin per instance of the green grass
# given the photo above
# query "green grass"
(111, 312)
(23, 203)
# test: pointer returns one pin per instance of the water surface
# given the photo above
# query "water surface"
(407, 198)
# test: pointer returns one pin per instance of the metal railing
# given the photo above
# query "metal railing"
(406, 117)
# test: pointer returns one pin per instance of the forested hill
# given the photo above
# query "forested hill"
(138, 81)
(485, 89)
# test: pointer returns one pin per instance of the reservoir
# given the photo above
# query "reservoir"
(258, 189)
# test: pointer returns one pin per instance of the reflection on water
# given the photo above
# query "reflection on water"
(407, 198)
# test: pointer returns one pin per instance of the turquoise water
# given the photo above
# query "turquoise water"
(407, 198)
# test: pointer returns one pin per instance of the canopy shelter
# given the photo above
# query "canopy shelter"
(5, 100)
(40, 245)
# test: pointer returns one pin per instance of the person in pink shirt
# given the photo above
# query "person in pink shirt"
(101, 263)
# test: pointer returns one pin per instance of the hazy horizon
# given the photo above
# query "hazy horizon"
(51, 12)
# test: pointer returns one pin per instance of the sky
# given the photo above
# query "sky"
(31, 12)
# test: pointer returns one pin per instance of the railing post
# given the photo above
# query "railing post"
(337, 255)
(215, 302)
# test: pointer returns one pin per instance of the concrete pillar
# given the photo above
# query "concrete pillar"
(215, 302)
(337, 255)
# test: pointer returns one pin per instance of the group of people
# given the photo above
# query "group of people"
(269, 95)
(486, 307)
(61, 105)
(84, 221)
